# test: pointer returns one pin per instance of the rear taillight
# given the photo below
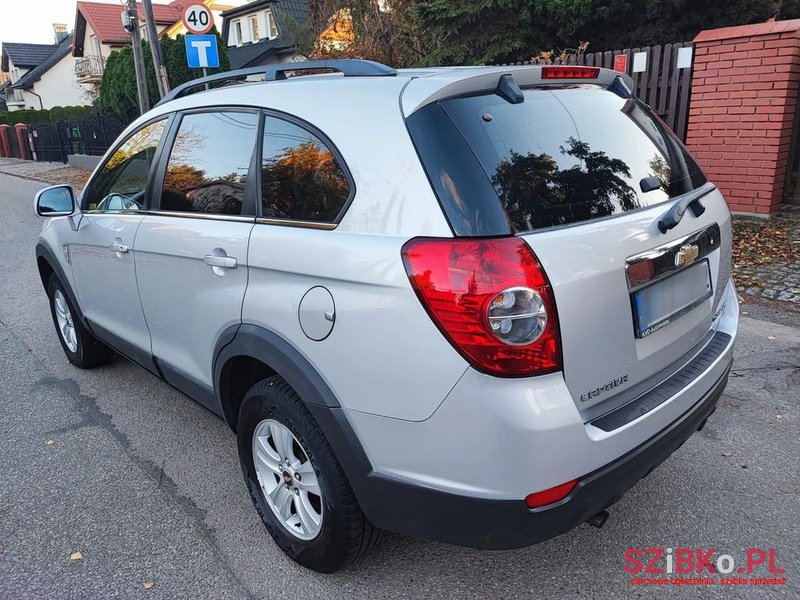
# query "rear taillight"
(491, 299)
(569, 72)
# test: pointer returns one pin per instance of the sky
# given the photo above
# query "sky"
(32, 20)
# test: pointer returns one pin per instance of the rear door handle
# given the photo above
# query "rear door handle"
(119, 248)
(223, 262)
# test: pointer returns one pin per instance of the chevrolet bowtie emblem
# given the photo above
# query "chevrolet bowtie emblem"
(686, 255)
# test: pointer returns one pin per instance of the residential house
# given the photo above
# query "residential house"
(262, 32)
(42, 75)
(99, 31)
(4, 83)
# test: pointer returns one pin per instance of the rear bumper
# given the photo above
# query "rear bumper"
(429, 513)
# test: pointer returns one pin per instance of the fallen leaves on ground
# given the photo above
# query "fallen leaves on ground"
(71, 175)
(762, 243)
(50, 442)
(148, 585)
(76, 555)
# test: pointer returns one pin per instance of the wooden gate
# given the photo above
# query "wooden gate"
(662, 77)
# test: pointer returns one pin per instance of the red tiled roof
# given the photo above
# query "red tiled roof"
(105, 20)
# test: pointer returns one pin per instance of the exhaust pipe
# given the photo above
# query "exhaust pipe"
(599, 519)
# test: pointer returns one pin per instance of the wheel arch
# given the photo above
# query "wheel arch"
(48, 265)
(245, 354)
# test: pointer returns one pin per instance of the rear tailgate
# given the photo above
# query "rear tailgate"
(607, 358)
(584, 173)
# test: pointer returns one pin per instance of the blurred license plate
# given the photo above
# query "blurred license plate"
(656, 306)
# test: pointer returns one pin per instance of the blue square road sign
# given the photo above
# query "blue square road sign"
(202, 51)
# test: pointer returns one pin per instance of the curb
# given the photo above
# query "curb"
(28, 177)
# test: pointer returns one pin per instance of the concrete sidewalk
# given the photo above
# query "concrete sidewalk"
(46, 172)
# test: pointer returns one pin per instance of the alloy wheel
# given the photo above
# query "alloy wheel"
(287, 479)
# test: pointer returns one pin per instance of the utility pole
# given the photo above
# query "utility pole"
(155, 49)
(130, 20)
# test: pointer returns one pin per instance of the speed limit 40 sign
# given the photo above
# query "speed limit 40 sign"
(197, 18)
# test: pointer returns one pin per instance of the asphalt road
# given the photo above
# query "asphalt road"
(145, 484)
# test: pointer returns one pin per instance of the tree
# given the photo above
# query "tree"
(491, 31)
(476, 32)
(387, 31)
(537, 193)
(303, 180)
(118, 86)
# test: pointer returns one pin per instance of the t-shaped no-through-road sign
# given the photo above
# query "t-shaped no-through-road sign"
(202, 51)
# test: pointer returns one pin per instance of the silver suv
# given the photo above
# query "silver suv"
(474, 305)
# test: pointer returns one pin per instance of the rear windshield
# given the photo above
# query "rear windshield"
(570, 154)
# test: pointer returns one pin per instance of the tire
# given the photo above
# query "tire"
(344, 534)
(82, 349)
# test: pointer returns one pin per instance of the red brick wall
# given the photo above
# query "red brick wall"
(744, 97)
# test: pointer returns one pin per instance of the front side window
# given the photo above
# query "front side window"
(209, 162)
(301, 178)
(121, 183)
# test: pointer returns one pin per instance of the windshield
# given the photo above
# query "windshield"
(571, 154)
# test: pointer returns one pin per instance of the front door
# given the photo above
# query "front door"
(102, 249)
(192, 250)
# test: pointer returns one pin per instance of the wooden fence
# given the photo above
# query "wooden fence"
(661, 75)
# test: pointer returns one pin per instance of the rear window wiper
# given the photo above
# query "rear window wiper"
(692, 201)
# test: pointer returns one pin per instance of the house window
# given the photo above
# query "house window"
(272, 28)
(95, 46)
(236, 33)
(254, 31)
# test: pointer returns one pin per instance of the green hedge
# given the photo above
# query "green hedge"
(53, 115)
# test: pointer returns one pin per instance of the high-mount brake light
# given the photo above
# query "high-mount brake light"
(492, 301)
(570, 72)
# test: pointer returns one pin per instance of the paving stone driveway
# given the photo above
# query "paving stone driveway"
(780, 279)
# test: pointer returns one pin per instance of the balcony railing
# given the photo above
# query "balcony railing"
(89, 68)
(16, 97)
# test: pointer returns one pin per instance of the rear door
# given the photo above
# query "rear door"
(572, 165)
(192, 248)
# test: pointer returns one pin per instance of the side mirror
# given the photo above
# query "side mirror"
(56, 201)
(648, 184)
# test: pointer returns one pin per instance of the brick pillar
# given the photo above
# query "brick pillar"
(744, 98)
(5, 145)
(22, 138)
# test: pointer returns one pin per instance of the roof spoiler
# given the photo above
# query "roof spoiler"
(450, 83)
(347, 67)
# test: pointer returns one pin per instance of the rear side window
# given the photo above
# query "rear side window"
(121, 183)
(209, 163)
(301, 179)
(570, 154)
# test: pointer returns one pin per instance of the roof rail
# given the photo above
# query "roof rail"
(347, 67)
